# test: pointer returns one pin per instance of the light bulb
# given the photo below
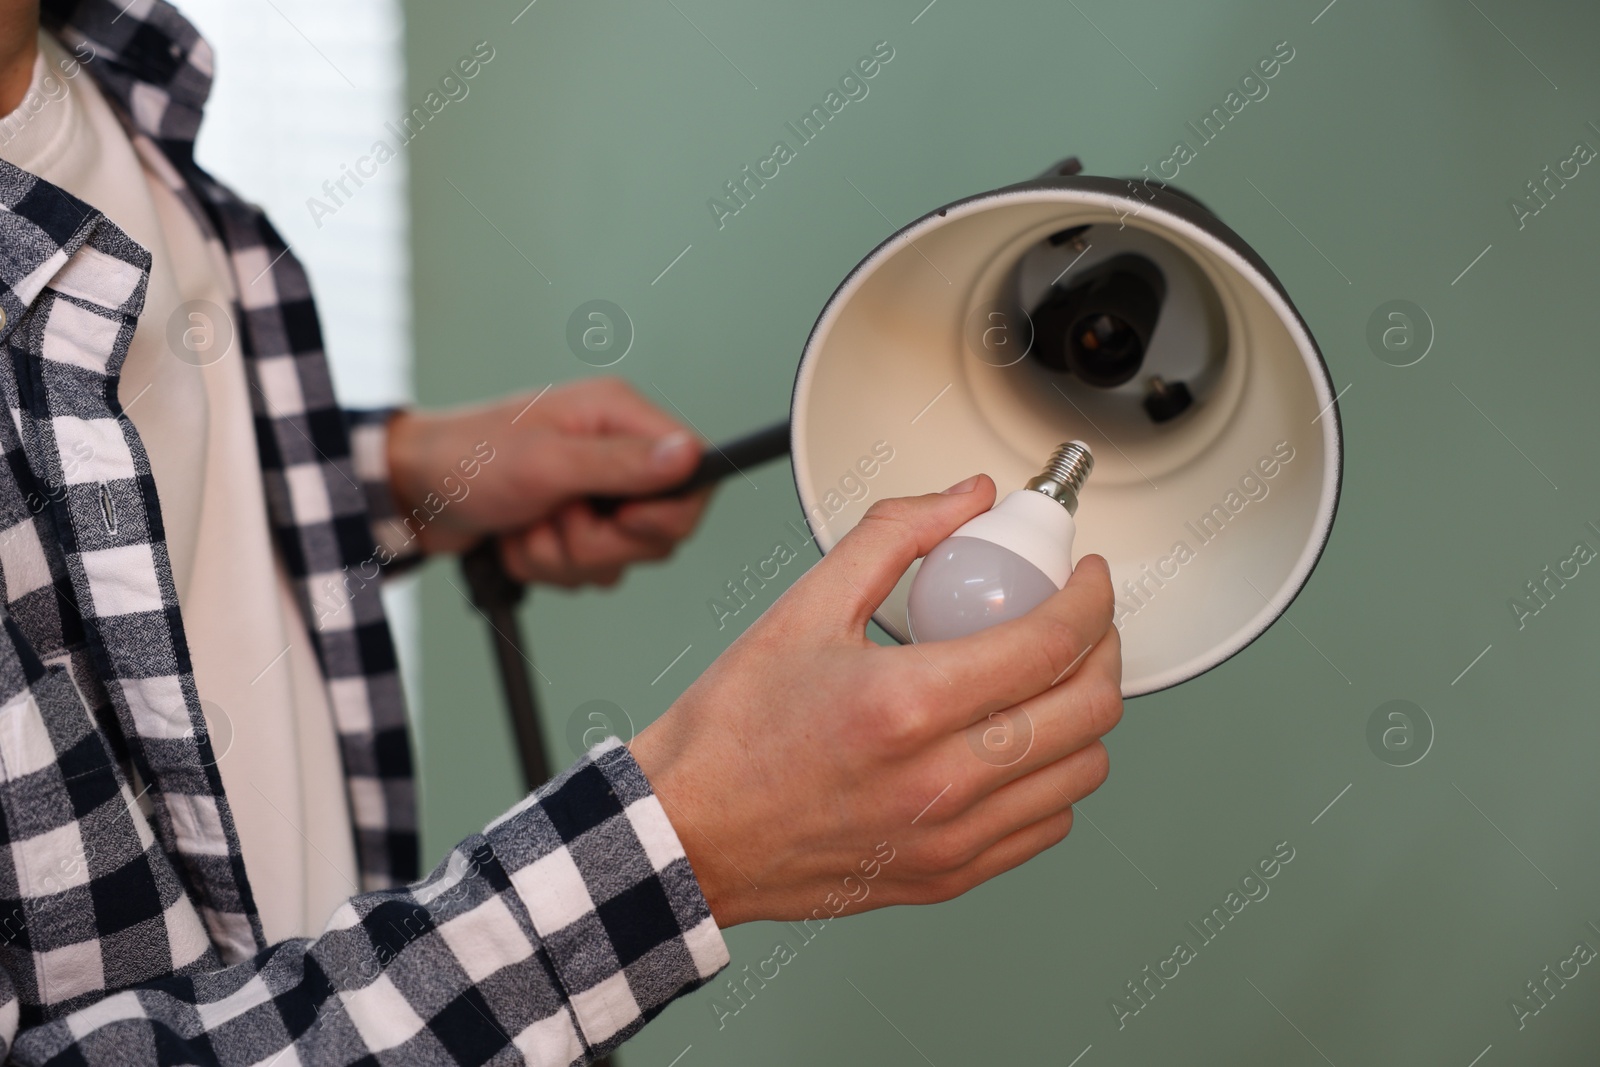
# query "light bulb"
(1005, 562)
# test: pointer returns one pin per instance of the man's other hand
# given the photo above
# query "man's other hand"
(596, 437)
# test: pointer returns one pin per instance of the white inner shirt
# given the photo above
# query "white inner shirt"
(265, 702)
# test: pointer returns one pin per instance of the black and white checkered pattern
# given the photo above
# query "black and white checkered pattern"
(548, 939)
(127, 929)
(155, 68)
(82, 539)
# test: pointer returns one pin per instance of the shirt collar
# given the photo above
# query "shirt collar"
(147, 58)
(155, 68)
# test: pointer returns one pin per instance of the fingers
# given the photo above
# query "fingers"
(573, 465)
(1039, 740)
(1027, 817)
(1050, 726)
(621, 409)
(599, 437)
(1018, 848)
(669, 519)
(577, 548)
(1016, 660)
(1048, 790)
(853, 579)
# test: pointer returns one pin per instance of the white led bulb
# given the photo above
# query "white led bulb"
(1005, 562)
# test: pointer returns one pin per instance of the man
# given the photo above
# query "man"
(188, 547)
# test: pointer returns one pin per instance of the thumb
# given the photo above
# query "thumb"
(619, 465)
(861, 571)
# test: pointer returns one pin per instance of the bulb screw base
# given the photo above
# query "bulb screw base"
(1063, 476)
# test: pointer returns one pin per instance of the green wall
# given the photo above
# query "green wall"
(1420, 903)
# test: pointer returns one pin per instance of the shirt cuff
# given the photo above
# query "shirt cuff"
(396, 539)
(597, 863)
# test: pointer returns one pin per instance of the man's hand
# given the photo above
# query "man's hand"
(806, 753)
(590, 438)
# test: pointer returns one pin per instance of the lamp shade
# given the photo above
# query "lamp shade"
(1218, 456)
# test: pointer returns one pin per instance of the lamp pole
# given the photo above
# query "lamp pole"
(497, 596)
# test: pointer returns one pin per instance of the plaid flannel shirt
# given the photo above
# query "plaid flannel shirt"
(128, 934)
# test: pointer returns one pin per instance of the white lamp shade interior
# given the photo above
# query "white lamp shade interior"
(1211, 522)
